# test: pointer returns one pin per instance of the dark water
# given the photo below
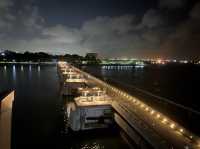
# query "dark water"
(38, 115)
(176, 83)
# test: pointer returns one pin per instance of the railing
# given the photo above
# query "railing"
(158, 117)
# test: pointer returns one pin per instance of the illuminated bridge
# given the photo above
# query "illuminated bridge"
(146, 126)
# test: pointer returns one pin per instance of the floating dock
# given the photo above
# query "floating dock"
(91, 109)
(146, 126)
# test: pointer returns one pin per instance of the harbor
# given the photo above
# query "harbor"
(118, 119)
(140, 120)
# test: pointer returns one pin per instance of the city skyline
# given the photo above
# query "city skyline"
(139, 28)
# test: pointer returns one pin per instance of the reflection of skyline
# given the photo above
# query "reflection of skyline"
(38, 68)
(14, 73)
(30, 68)
(5, 71)
(22, 68)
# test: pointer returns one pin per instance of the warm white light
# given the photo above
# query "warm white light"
(146, 109)
(172, 125)
(152, 112)
(158, 116)
(164, 120)
(181, 130)
(142, 105)
(198, 144)
(137, 102)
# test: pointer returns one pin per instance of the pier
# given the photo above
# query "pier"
(6, 102)
(146, 126)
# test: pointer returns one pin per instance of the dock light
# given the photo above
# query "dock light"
(164, 120)
(172, 125)
(152, 112)
(142, 105)
(158, 116)
(146, 109)
(181, 130)
(198, 144)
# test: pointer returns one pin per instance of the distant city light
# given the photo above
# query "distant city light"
(183, 61)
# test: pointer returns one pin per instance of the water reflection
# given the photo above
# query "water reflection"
(30, 72)
(92, 146)
(5, 71)
(46, 95)
(120, 67)
(30, 68)
(22, 68)
(14, 72)
(5, 67)
(139, 66)
(38, 68)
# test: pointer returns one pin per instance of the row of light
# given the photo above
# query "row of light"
(151, 111)
(158, 115)
(143, 106)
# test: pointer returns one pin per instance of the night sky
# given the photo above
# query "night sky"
(112, 28)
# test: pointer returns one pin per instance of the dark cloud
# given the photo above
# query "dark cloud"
(184, 42)
(146, 34)
(171, 4)
(195, 12)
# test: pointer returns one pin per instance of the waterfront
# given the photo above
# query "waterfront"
(178, 84)
(38, 112)
(38, 108)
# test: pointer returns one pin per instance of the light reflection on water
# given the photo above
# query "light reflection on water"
(38, 105)
(30, 72)
(22, 68)
(14, 73)
(30, 68)
(38, 68)
(94, 145)
(121, 67)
